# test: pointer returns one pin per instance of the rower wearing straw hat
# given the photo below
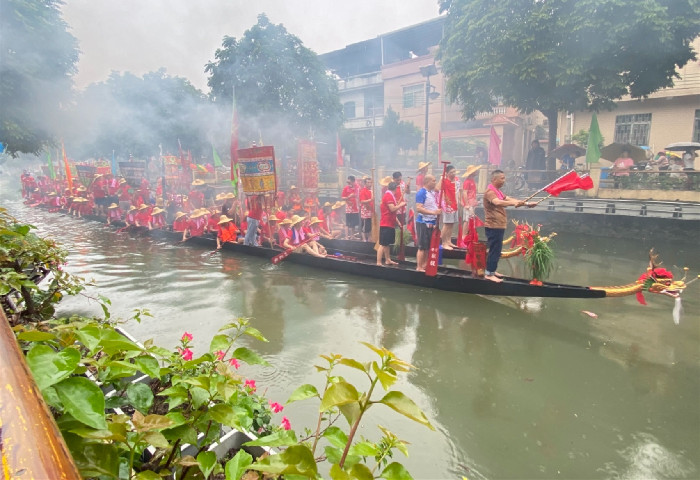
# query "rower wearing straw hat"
(298, 236)
(157, 219)
(114, 213)
(227, 231)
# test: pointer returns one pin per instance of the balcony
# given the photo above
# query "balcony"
(360, 123)
(360, 81)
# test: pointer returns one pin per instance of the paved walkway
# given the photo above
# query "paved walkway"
(634, 208)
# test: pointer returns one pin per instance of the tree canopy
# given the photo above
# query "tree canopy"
(37, 59)
(562, 55)
(281, 86)
(134, 115)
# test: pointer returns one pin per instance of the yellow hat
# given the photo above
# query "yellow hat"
(296, 219)
(293, 187)
(197, 183)
(179, 215)
(157, 211)
(422, 165)
(114, 205)
(327, 204)
(384, 182)
(224, 219)
(132, 208)
(143, 206)
(338, 205)
(229, 195)
(471, 169)
(286, 221)
(314, 220)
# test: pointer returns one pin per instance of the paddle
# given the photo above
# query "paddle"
(402, 247)
(279, 258)
(460, 243)
(434, 252)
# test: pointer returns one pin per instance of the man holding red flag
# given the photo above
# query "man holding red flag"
(495, 203)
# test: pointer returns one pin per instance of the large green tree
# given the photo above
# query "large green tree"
(37, 59)
(134, 115)
(282, 88)
(563, 55)
(396, 134)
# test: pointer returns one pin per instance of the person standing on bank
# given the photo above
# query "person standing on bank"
(387, 223)
(495, 203)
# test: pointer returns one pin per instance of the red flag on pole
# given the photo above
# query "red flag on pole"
(570, 181)
(69, 177)
(338, 151)
(234, 139)
(494, 148)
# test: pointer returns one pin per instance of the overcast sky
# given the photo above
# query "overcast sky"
(182, 35)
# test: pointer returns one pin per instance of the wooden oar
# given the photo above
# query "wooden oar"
(402, 245)
(279, 258)
(432, 265)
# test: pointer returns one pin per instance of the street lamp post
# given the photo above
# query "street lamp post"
(427, 71)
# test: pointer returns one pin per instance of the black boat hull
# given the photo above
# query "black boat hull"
(367, 248)
(447, 279)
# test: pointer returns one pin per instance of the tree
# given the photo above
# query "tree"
(282, 88)
(134, 115)
(37, 59)
(581, 139)
(561, 55)
(395, 135)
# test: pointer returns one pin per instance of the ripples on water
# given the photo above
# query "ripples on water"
(517, 388)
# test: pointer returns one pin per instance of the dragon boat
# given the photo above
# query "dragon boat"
(655, 280)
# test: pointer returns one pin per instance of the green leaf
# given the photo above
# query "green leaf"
(336, 437)
(219, 342)
(351, 412)
(224, 414)
(352, 363)
(295, 460)
(379, 351)
(281, 438)
(206, 461)
(50, 367)
(84, 400)
(360, 471)
(364, 449)
(303, 392)
(405, 406)
(338, 473)
(396, 471)
(338, 394)
(249, 357)
(186, 433)
(199, 396)
(255, 333)
(35, 336)
(93, 459)
(113, 342)
(156, 439)
(387, 377)
(148, 475)
(140, 396)
(90, 336)
(148, 365)
(237, 466)
(333, 454)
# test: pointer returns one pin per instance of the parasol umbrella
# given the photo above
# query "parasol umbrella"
(683, 146)
(613, 151)
(568, 148)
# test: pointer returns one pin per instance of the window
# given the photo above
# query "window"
(414, 96)
(633, 129)
(349, 110)
(696, 127)
(373, 105)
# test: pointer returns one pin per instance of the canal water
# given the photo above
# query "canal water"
(516, 388)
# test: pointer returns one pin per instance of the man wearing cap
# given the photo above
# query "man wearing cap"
(366, 208)
(449, 187)
(387, 222)
(428, 210)
(350, 196)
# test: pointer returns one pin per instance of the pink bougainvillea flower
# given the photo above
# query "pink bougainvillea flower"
(276, 407)
(186, 354)
(234, 363)
(186, 337)
(220, 355)
(285, 423)
(251, 384)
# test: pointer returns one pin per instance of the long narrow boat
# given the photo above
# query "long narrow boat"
(448, 279)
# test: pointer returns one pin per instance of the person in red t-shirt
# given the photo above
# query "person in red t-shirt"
(350, 196)
(450, 189)
(143, 217)
(157, 219)
(254, 216)
(387, 222)
(196, 195)
(366, 208)
(180, 222)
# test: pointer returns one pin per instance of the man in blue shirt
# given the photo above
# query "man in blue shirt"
(427, 210)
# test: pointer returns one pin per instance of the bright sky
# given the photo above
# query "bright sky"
(183, 35)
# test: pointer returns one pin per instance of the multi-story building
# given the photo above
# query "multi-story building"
(393, 71)
(667, 116)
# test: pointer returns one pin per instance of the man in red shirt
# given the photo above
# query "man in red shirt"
(350, 195)
(387, 223)
(366, 208)
(449, 187)
(196, 195)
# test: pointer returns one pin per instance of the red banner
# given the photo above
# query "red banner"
(309, 167)
(257, 170)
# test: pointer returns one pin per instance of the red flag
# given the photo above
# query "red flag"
(570, 181)
(411, 227)
(234, 139)
(494, 148)
(338, 151)
(69, 177)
